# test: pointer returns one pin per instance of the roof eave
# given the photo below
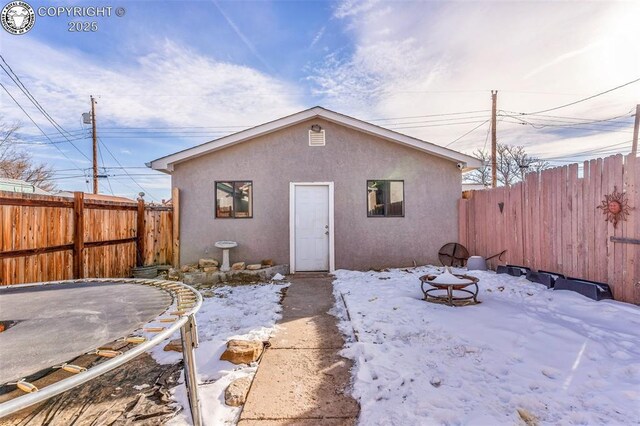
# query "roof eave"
(165, 164)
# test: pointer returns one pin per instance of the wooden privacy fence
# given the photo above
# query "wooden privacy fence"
(551, 222)
(45, 238)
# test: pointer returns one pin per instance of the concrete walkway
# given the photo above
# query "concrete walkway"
(302, 379)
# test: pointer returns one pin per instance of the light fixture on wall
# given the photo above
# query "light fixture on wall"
(316, 128)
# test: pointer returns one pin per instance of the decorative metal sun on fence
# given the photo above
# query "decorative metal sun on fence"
(615, 207)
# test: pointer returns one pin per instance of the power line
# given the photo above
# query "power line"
(46, 141)
(27, 93)
(67, 177)
(565, 118)
(590, 151)
(437, 125)
(470, 131)
(606, 122)
(189, 130)
(167, 131)
(107, 167)
(106, 175)
(475, 117)
(125, 170)
(486, 138)
(429, 115)
(584, 99)
(36, 124)
(35, 102)
(73, 135)
(173, 127)
(125, 183)
(589, 157)
(574, 126)
(577, 158)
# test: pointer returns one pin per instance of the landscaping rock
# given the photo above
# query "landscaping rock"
(194, 278)
(201, 278)
(210, 269)
(204, 263)
(528, 418)
(254, 267)
(238, 266)
(189, 268)
(174, 345)
(173, 274)
(266, 262)
(236, 393)
(242, 351)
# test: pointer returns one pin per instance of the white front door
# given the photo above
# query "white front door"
(311, 233)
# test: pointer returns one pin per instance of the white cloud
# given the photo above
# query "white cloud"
(173, 85)
(418, 58)
(349, 8)
(170, 86)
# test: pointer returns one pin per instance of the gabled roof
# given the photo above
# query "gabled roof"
(165, 164)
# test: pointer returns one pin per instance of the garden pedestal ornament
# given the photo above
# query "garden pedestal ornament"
(225, 246)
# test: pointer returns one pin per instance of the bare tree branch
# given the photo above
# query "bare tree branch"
(513, 164)
(16, 163)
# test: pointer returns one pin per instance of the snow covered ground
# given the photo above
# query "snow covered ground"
(555, 354)
(238, 312)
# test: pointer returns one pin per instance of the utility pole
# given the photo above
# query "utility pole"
(494, 161)
(95, 145)
(634, 147)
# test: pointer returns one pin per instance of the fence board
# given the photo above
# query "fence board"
(600, 226)
(551, 222)
(635, 195)
(576, 232)
(629, 250)
(103, 236)
(572, 243)
(618, 261)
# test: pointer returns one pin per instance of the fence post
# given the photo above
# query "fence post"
(140, 233)
(175, 200)
(78, 235)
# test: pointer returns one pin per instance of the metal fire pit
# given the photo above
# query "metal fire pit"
(456, 293)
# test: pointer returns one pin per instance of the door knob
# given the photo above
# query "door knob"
(326, 233)
(326, 227)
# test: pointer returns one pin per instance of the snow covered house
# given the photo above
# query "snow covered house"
(318, 190)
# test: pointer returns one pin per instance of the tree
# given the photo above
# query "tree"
(16, 163)
(513, 164)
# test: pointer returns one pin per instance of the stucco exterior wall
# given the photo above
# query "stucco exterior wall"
(349, 159)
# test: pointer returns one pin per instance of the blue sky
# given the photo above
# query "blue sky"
(171, 74)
